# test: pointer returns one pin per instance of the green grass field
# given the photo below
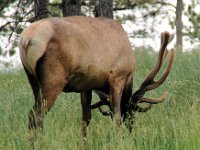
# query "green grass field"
(172, 125)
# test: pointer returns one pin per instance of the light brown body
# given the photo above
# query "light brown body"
(80, 54)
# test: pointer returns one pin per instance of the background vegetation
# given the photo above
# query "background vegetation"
(182, 15)
(172, 125)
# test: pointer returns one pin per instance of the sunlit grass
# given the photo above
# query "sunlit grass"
(174, 124)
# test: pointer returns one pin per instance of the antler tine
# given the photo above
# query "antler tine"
(97, 104)
(104, 112)
(144, 109)
(165, 38)
(103, 101)
(165, 54)
(165, 74)
(154, 100)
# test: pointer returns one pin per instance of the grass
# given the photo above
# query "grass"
(172, 125)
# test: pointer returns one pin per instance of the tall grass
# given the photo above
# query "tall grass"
(172, 125)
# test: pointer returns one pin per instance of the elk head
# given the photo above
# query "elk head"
(148, 84)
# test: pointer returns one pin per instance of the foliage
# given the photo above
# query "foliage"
(14, 16)
(152, 12)
(194, 18)
(171, 125)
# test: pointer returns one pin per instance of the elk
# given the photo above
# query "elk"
(82, 54)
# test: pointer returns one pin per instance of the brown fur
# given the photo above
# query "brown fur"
(79, 54)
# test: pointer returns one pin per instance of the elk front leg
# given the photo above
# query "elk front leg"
(116, 88)
(127, 114)
(86, 98)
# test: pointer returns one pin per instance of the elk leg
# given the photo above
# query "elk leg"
(35, 110)
(43, 105)
(116, 87)
(50, 88)
(115, 104)
(86, 98)
(52, 82)
(127, 113)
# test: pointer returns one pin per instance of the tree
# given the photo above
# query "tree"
(179, 24)
(193, 30)
(71, 7)
(41, 10)
(23, 12)
(103, 8)
(13, 16)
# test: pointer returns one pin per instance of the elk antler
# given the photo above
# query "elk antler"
(103, 101)
(144, 109)
(149, 83)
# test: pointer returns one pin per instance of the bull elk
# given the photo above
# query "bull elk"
(81, 54)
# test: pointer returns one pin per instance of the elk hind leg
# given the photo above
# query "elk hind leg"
(34, 112)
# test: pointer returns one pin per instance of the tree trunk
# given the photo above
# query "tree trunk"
(103, 8)
(179, 24)
(71, 7)
(41, 10)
